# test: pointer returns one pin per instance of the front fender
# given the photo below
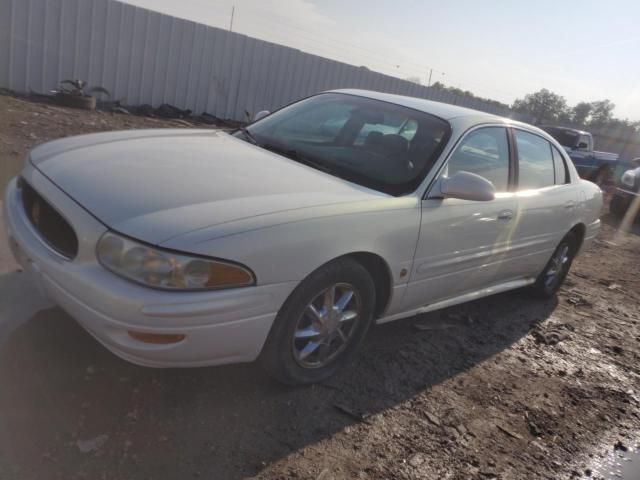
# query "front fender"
(290, 251)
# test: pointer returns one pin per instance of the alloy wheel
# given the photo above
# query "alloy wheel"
(559, 263)
(325, 327)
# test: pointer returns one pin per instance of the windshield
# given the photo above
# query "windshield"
(566, 138)
(373, 143)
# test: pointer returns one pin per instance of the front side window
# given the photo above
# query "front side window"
(376, 144)
(484, 152)
(536, 168)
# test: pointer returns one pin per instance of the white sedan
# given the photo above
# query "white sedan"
(286, 240)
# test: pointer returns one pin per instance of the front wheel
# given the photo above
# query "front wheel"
(321, 324)
(556, 270)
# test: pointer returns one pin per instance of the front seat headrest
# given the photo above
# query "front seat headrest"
(395, 143)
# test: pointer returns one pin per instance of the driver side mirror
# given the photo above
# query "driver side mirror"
(582, 146)
(260, 114)
(467, 186)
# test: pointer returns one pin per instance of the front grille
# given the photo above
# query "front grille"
(54, 229)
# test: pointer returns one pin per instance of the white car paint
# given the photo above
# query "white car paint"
(208, 193)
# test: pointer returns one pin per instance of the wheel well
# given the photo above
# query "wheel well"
(381, 275)
(579, 230)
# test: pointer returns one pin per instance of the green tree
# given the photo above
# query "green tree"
(601, 112)
(580, 113)
(467, 93)
(544, 105)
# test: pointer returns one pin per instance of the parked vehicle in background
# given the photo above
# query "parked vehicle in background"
(590, 164)
(286, 240)
(627, 190)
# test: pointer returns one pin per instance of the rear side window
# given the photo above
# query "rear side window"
(561, 173)
(536, 167)
(484, 152)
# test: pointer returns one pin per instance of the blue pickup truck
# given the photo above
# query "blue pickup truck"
(591, 165)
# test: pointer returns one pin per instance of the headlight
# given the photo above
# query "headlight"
(629, 178)
(165, 269)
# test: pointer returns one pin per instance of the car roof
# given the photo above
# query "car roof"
(461, 116)
(439, 109)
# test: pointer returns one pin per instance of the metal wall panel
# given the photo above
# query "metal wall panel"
(147, 57)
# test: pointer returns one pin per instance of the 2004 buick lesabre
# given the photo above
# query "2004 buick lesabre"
(287, 239)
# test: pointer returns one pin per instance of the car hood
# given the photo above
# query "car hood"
(157, 184)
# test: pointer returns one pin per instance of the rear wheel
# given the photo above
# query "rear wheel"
(556, 270)
(321, 324)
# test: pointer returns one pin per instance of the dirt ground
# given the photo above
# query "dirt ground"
(507, 387)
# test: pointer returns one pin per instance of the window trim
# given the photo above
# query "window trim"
(526, 130)
(567, 177)
(454, 147)
(514, 164)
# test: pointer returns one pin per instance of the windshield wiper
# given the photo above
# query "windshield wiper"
(248, 135)
(295, 155)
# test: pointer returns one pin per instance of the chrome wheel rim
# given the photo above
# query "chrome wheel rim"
(558, 264)
(326, 326)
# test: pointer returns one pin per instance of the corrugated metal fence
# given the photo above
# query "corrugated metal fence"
(147, 57)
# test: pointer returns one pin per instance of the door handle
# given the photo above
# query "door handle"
(570, 204)
(505, 215)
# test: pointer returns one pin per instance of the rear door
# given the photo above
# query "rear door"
(463, 244)
(546, 202)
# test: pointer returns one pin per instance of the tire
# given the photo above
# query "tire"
(285, 356)
(545, 286)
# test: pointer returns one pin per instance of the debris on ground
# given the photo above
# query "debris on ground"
(361, 417)
(578, 300)
(93, 444)
(549, 337)
(619, 445)
(509, 432)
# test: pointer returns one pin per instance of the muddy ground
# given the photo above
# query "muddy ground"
(507, 387)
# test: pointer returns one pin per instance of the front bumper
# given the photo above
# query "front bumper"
(590, 235)
(226, 326)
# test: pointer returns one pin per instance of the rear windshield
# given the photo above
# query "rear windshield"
(566, 138)
(376, 144)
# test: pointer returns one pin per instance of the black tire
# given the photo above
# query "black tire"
(543, 287)
(277, 356)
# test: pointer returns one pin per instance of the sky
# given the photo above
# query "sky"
(583, 50)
